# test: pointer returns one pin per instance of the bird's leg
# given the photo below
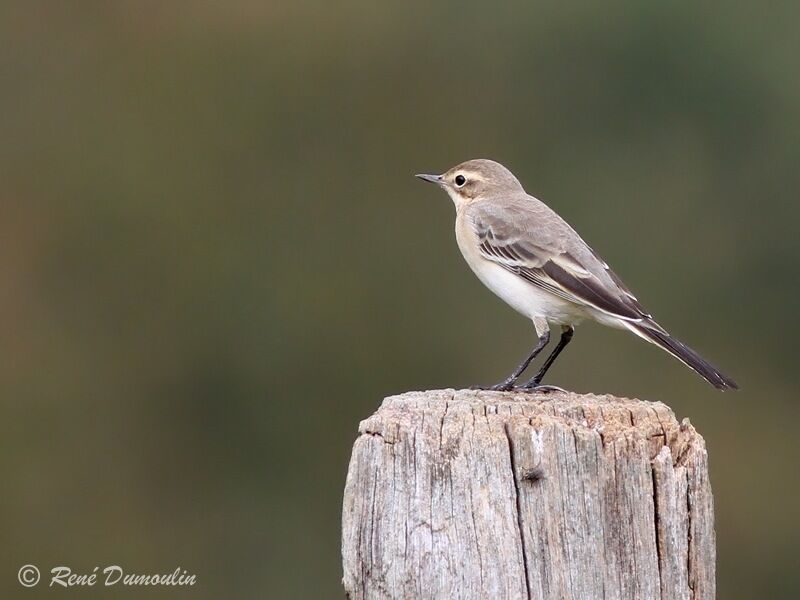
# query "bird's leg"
(543, 330)
(508, 382)
(566, 336)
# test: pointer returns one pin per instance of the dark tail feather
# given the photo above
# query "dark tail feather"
(684, 354)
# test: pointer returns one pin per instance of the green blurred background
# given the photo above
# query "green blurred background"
(215, 260)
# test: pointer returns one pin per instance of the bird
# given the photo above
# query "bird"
(531, 258)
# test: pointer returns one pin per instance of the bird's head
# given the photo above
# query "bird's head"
(475, 179)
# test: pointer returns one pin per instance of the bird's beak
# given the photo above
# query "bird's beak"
(437, 179)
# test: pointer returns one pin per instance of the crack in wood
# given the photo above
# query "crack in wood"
(624, 512)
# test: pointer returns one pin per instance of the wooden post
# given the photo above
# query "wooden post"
(489, 495)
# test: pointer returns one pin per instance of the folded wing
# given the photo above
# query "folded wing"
(561, 264)
(537, 245)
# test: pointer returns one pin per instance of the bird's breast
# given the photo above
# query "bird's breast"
(518, 293)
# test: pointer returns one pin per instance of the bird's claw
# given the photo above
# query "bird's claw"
(497, 387)
(546, 389)
(510, 387)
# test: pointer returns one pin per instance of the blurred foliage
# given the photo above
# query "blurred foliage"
(216, 262)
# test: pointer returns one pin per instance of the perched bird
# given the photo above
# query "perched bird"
(530, 257)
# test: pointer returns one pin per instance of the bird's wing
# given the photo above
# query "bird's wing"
(545, 251)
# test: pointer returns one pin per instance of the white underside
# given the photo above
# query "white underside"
(526, 298)
(523, 296)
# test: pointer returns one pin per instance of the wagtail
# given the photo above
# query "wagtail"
(530, 257)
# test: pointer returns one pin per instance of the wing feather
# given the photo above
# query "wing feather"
(557, 270)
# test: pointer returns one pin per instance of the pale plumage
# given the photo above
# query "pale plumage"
(532, 259)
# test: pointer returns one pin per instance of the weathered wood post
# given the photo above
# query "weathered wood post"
(463, 494)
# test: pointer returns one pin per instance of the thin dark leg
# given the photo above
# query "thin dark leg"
(566, 336)
(509, 381)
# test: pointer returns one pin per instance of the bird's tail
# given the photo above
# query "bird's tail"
(653, 333)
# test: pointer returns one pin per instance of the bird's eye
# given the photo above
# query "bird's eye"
(460, 180)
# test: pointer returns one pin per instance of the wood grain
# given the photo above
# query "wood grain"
(464, 494)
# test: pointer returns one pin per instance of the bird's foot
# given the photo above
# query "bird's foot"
(546, 389)
(508, 386)
(503, 386)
